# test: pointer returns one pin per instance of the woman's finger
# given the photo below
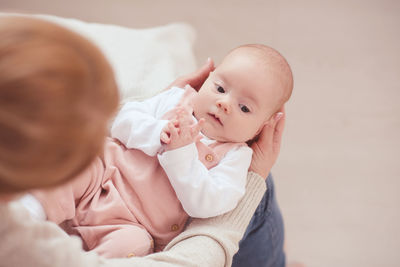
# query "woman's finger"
(268, 134)
(278, 129)
(277, 137)
(266, 148)
(196, 78)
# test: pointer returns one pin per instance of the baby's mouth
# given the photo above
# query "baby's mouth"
(214, 117)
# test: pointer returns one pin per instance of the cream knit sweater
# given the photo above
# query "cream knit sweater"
(206, 242)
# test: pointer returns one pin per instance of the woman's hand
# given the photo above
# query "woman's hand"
(195, 79)
(266, 148)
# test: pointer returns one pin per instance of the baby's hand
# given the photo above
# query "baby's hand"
(183, 119)
(184, 116)
(165, 136)
(181, 134)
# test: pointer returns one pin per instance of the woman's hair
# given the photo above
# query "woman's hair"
(57, 93)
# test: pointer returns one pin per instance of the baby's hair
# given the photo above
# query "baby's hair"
(57, 92)
(272, 59)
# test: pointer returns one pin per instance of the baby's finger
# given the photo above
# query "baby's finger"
(165, 138)
(173, 131)
(175, 123)
(195, 130)
(179, 115)
(198, 138)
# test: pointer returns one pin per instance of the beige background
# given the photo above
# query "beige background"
(338, 172)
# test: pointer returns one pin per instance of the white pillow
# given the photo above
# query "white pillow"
(145, 61)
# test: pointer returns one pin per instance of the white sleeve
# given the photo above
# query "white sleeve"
(139, 124)
(206, 193)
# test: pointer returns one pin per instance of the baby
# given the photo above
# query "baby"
(181, 153)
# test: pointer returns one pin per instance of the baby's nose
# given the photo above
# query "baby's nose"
(224, 105)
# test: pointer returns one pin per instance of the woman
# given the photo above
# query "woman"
(57, 92)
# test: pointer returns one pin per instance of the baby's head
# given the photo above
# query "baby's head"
(57, 92)
(243, 93)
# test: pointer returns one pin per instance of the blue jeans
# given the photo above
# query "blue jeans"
(262, 243)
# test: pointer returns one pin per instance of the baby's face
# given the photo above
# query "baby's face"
(237, 99)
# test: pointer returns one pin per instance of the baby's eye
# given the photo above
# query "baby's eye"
(244, 108)
(220, 89)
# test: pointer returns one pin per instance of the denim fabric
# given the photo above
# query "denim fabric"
(262, 243)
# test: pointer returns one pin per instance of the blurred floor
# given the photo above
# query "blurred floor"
(338, 173)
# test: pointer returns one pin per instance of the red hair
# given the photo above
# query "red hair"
(57, 92)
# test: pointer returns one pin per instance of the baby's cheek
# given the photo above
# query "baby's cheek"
(252, 131)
